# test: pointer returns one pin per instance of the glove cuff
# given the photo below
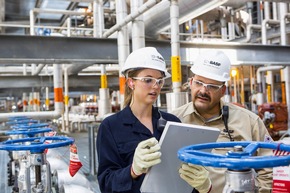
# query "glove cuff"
(135, 173)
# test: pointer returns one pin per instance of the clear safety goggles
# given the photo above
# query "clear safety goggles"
(150, 81)
(208, 87)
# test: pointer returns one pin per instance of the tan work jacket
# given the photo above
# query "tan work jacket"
(247, 126)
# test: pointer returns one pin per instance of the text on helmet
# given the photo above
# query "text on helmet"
(211, 62)
(154, 57)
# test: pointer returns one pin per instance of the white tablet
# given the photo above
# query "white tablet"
(164, 177)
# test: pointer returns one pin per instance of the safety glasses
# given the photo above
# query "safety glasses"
(150, 82)
(208, 87)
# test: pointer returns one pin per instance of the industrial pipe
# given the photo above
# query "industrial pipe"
(260, 97)
(58, 102)
(131, 17)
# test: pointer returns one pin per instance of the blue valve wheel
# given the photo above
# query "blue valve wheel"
(243, 160)
(27, 131)
(29, 121)
(36, 144)
(26, 126)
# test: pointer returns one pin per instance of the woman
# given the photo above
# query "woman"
(127, 142)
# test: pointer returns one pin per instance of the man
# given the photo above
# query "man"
(210, 72)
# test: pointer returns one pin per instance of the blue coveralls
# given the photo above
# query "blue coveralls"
(117, 138)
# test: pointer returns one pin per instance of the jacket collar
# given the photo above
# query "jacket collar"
(129, 118)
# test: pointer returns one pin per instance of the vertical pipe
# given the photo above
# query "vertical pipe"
(96, 21)
(30, 104)
(66, 99)
(267, 9)
(47, 99)
(36, 101)
(231, 25)
(138, 30)
(104, 82)
(123, 44)
(224, 29)
(242, 86)
(58, 88)
(274, 10)
(31, 14)
(283, 87)
(68, 23)
(252, 88)
(92, 149)
(25, 103)
(235, 90)
(176, 98)
(100, 18)
(269, 83)
(175, 47)
(24, 69)
(283, 14)
(201, 28)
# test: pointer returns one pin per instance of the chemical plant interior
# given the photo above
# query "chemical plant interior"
(60, 66)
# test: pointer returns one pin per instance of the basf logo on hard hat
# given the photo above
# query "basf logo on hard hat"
(157, 58)
(211, 63)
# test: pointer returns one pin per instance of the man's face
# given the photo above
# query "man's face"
(206, 94)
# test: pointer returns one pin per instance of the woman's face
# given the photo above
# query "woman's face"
(147, 86)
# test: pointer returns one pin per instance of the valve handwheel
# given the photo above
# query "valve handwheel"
(36, 144)
(26, 126)
(28, 131)
(235, 160)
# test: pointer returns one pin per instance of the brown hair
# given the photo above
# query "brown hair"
(128, 91)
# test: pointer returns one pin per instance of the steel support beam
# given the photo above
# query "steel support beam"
(71, 50)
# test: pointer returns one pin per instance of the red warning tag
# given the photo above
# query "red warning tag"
(74, 163)
(49, 134)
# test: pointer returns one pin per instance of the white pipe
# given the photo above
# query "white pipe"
(175, 42)
(251, 27)
(66, 99)
(24, 69)
(267, 9)
(33, 68)
(58, 108)
(130, 17)
(197, 28)
(38, 69)
(101, 18)
(264, 28)
(224, 29)
(31, 14)
(42, 26)
(270, 81)
(138, 31)
(95, 24)
(201, 29)
(274, 8)
(58, 11)
(68, 25)
(47, 99)
(260, 97)
(123, 40)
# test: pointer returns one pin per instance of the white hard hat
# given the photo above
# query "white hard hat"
(147, 57)
(213, 65)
